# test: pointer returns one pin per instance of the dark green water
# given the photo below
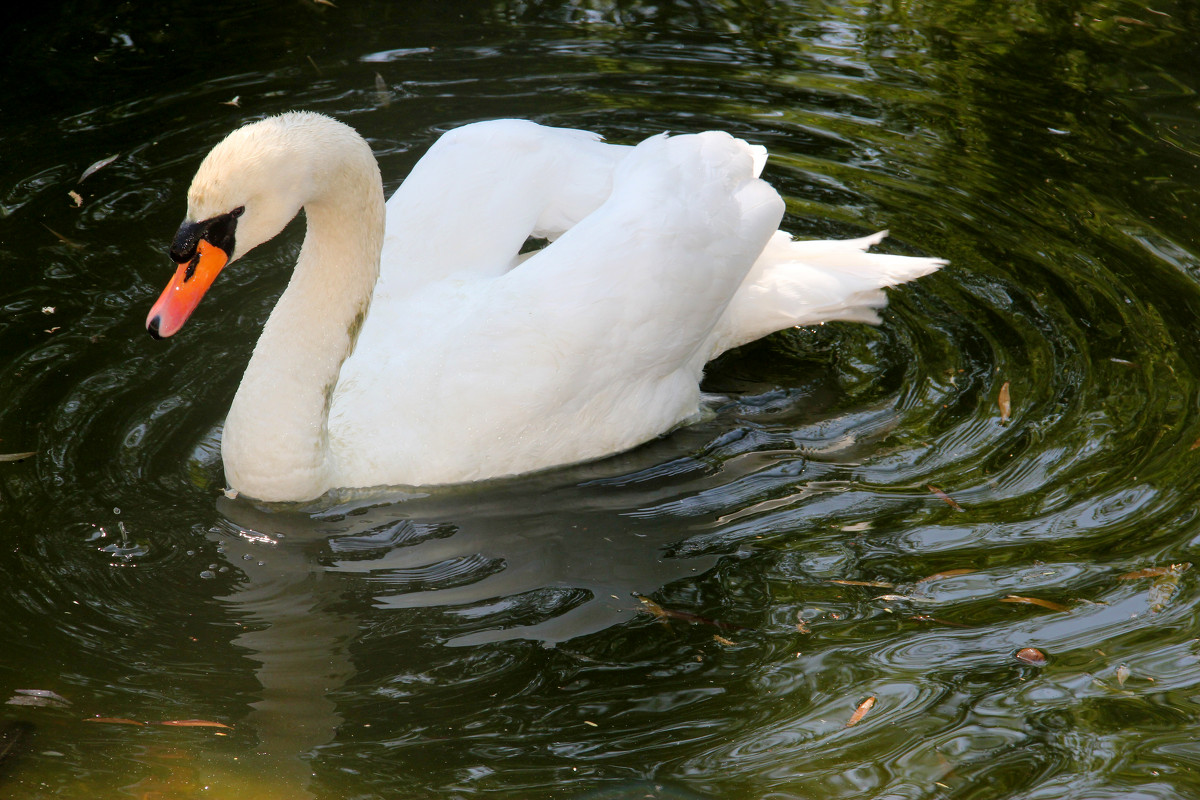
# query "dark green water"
(489, 641)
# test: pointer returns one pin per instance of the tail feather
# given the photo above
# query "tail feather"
(809, 282)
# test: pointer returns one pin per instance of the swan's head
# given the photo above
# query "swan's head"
(246, 190)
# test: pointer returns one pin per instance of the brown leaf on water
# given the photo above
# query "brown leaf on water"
(1195, 444)
(947, 499)
(1166, 580)
(63, 239)
(1156, 572)
(873, 584)
(802, 626)
(861, 711)
(114, 720)
(1122, 674)
(193, 723)
(1005, 404)
(16, 456)
(719, 639)
(1031, 655)
(950, 573)
(75, 198)
(1035, 601)
(99, 165)
(664, 614)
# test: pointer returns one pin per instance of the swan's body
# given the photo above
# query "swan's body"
(451, 358)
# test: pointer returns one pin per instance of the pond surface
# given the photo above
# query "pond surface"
(860, 533)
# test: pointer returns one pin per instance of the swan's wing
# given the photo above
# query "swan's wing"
(641, 282)
(471, 202)
(809, 282)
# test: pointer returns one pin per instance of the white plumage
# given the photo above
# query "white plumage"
(474, 362)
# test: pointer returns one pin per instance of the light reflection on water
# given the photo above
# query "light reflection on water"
(491, 639)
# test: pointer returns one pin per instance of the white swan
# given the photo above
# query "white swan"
(428, 351)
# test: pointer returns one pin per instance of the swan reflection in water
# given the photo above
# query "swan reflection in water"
(534, 561)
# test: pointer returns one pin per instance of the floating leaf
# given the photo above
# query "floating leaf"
(236, 102)
(99, 165)
(1031, 655)
(1035, 601)
(719, 639)
(1004, 403)
(950, 573)
(1156, 572)
(873, 584)
(910, 598)
(947, 499)
(1122, 674)
(16, 456)
(861, 711)
(664, 614)
(193, 723)
(63, 239)
(75, 198)
(801, 625)
(114, 720)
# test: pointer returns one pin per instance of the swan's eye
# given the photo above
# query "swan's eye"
(216, 231)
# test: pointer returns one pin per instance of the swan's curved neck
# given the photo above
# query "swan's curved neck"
(275, 443)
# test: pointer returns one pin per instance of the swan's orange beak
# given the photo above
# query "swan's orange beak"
(183, 293)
